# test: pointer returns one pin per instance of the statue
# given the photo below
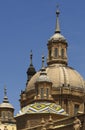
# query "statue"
(77, 124)
(5, 128)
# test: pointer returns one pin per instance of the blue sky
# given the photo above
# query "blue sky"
(28, 24)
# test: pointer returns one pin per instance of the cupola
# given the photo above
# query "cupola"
(6, 110)
(57, 46)
(43, 85)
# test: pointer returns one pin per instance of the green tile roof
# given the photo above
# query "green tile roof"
(41, 107)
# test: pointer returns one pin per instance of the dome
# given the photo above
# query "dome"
(43, 76)
(6, 105)
(57, 37)
(60, 75)
(31, 70)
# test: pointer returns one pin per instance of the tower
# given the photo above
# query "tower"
(57, 46)
(7, 114)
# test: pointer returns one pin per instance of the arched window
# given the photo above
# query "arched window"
(62, 53)
(76, 108)
(47, 92)
(36, 91)
(42, 93)
(56, 52)
(49, 54)
(3, 115)
(9, 115)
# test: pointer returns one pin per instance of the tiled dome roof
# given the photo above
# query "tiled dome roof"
(43, 107)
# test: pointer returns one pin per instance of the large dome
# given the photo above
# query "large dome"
(60, 75)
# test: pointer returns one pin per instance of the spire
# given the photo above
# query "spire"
(43, 61)
(31, 55)
(31, 70)
(5, 100)
(57, 21)
(43, 71)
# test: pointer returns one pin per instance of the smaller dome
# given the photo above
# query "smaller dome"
(31, 70)
(58, 37)
(6, 105)
(43, 76)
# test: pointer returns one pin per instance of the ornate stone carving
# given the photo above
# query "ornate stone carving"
(77, 124)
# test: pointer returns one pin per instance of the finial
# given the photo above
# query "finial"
(43, 61)
(5, 91)
(57, 20)
(42, 121)
(50, 118)
(31, 57)
(43, 124)
(50, 122)
(43, 70)
(5, 96)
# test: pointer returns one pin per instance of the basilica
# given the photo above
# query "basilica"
(54, 97)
